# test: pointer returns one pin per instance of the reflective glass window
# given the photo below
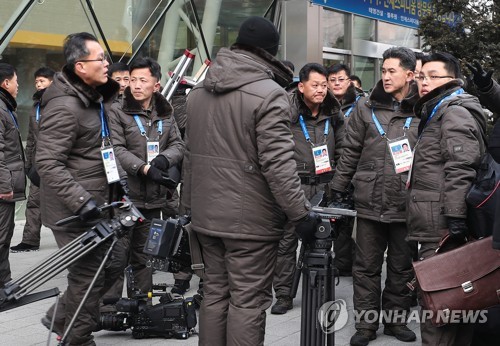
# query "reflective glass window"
(334, 29)
(397, 35)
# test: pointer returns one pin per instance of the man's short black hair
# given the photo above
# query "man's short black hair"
(149, 63)
(117, 67)
(451, 64)
(7, 71)
(306, 70)
(336, 68)
(406, 56)
(357, 79)
(75, 47)
(44, 71)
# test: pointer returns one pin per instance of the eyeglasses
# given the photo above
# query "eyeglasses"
(339, 80)
(421, 78)
(101, 59)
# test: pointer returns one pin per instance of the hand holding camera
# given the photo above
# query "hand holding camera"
(89, 211)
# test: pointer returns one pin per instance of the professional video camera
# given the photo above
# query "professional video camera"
(168, 244)
(171, 317)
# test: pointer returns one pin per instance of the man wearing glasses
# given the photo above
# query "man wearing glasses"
(446, 156)
(73, 140)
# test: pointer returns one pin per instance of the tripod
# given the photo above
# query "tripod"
(316, 264)
(17, 292)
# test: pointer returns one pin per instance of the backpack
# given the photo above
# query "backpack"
(482, 197)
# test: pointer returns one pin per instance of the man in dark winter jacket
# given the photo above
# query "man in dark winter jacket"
(315, 108)
(447, 154)
(348, 95)
(241, 182)
(73, 141)
(147, 142)
(12, 178)
(32, 227)
(374, 159)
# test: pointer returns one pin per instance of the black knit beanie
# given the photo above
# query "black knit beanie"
(259, 32)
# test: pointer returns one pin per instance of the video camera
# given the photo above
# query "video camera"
(168, 245)
(173, 316)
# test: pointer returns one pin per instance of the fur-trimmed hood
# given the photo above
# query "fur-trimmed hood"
(67, 82)
(160, 104)
(8, 99)
(241, 65)
(350, 95)
(380, 99)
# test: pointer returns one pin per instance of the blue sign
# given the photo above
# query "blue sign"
(401, 12)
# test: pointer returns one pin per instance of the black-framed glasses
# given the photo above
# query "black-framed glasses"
(101, 59)
(421, 78)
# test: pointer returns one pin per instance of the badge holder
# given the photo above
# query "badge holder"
(109, 161)
(402, 156)
(321, 159)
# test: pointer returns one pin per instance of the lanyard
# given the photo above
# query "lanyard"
(143, 131)
(381, 130)
(434, 110)
(38, 112)
(16, 124)
(349, 111)
(104, 125)
(306, 133)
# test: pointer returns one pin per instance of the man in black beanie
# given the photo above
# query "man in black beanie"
(241, 182)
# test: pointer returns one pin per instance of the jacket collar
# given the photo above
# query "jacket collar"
(102, 93)
(9, 100)
(160, 104)
(350, 95)
(431, 99)
(379, 98)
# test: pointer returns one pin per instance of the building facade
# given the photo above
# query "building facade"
(354, 32)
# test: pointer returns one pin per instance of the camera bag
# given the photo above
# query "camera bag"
(463, 279)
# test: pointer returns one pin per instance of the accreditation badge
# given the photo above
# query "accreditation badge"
(110, 167)
(153, 149)
(402, 156)
(321, 159)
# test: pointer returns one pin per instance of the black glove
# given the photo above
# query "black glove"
(160, 162)
(481, 78)
(337, 197)
(33, 175)
(306, 227)
(158, 176)
(457, 228)
(124, 186)
(89, 211)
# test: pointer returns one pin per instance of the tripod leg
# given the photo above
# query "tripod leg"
(84, 299)
(52, 321)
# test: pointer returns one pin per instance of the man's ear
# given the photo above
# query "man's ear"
(410, 75)
(4, 84)
(300, 86)
(157, 87)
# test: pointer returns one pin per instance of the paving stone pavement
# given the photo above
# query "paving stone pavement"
(21, 326)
